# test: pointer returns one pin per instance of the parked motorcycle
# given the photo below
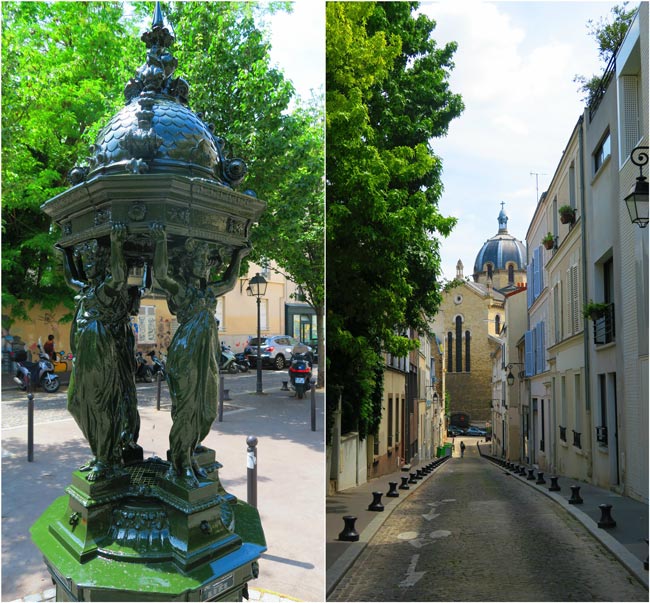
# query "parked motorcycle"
(36, 373)
(228, 361)
(300, 374)
(158, 366)
(143, 372)
(242, 362)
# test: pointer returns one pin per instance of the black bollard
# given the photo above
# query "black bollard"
(349, 534)
(606, 519)
(159, 388)
(376, 505)
(226, 395)
(392, 490)
(221, 395)
(531, 474)
(575, 496)
(404, 485)
(313, 404)
(285, 388)
(419, 474)
(251, 471)
(412, 480)
(30, 427)
(554, 485)
(540, 478)
(522, 470)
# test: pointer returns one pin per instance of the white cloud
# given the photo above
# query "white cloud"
(515, 66)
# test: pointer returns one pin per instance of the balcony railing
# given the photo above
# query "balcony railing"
(601, 435)
(604, 327)
(562, 433)
(576, 439)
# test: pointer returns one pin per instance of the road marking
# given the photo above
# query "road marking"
(407, 535)
(439, 534)
(412, 577)
(431, 515)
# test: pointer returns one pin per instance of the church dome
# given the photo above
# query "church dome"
(500, 251)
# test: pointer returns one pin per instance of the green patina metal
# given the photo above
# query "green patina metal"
(158, 193)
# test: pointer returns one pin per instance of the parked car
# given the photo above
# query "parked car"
(275, 350)
(455, 431)
(475, 431)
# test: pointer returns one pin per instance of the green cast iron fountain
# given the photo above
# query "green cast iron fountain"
(159, 194)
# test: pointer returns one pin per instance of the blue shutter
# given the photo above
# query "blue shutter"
(529, 353)
(536, 274)
(541, 268)
(529, 284)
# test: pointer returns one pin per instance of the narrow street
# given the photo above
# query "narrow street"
(474, 533)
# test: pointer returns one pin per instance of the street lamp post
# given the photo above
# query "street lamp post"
(637, 199)
(257, 288)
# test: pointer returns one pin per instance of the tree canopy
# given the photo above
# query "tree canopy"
(63, 73)
(387, 98)
(608, 36)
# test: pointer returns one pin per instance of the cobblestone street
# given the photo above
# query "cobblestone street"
(474, 533)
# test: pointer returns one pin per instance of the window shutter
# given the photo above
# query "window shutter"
(530, 353)
(537, 289)
(574, 299)
(529, 283)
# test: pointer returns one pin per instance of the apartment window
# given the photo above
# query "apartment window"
(557, 313)
(219, 314)
(602, 152)
(577, 399)
(572, 186)
(459, 344)
(563, 401)
(574, 307)
(146, 325)
(602, 399)
(398, 416)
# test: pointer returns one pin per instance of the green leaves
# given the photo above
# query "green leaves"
(387, 96)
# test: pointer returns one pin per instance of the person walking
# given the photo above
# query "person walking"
(48, 347)
(462, 449)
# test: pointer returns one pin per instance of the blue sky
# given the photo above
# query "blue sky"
(515, 66)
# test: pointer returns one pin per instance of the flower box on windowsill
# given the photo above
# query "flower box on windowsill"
(567, 214)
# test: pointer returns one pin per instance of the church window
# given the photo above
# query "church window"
(489, 270)
(450, 341)
(511, 274)
(467, 359)
(459, 344)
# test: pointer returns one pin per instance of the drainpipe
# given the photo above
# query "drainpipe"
(585, 330)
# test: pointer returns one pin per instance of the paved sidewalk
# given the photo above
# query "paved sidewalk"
(627, 541)
(290, 494)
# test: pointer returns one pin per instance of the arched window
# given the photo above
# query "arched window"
(497, 324)
(511, 274)
(459, 344)
(489, 270)
(467, 359)
(450, 341)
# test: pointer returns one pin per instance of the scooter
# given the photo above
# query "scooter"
(158, 366)
(300, 374)
(32, 373)
(228, 361)
(242, 362)
(143, 371)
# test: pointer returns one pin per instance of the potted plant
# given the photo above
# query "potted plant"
(548, 241)
(567, 214)
(594, 310)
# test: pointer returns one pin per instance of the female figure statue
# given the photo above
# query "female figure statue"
(192, 359)
(101, 395)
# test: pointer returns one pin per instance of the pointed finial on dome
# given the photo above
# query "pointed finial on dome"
(157, 17)
(503, 220)
(459, 270)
